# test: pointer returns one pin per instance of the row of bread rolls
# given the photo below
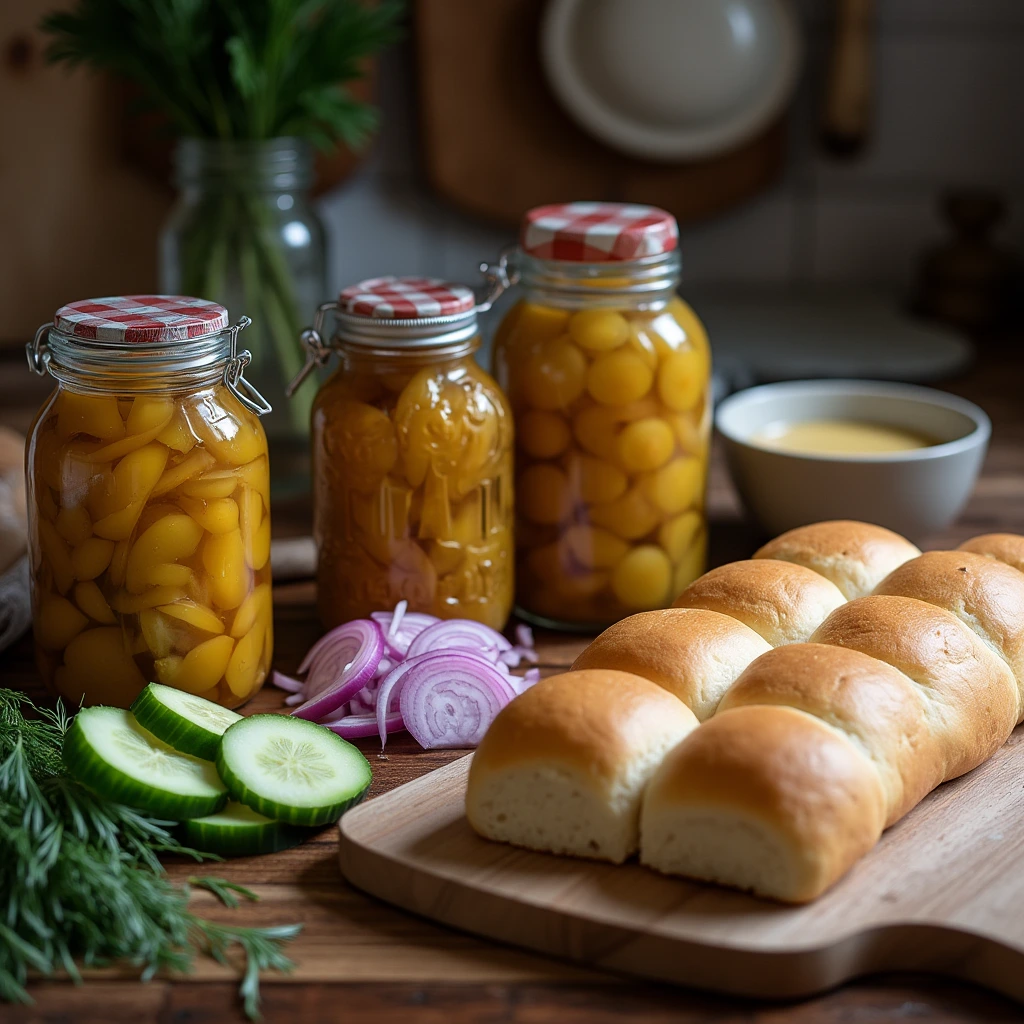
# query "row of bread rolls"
(840, 675)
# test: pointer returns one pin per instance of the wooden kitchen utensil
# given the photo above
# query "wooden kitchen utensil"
(496, 142)
(846, 115)
(941, 892)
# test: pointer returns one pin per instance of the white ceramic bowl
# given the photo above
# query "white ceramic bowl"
(671, 79)
(914, 492)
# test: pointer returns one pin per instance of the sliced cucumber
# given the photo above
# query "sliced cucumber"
(191, 724)
(292, 770)
(111, 753)
(237, 831)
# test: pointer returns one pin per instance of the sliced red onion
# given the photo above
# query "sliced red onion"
(450, 701)
(354, 727)
(514, 655)
(411, 624)
(343, 668)
(525, 681)
(460, 634)
(283, 682)
(294, 698)
(524, 636)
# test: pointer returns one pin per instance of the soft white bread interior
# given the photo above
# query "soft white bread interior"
(780, 601)
(854, 556)
(767, 799)
(563, 766)
(694, 654)
(1003, 547)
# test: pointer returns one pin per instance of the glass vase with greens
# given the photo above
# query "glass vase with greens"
(250, 88)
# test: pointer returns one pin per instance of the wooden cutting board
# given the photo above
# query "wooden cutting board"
(942, 892)
(496, 142)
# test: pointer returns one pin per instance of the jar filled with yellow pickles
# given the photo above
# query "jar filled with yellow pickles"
(412, 457)
(608, 374)
(148, 491)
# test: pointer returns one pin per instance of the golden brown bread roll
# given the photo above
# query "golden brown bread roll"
(874, 705)
(856, 557)
(781, 601)
(859, 710)
(694, 654)
(971, 695)
(562, 768)
(763, 798)
(986, 595)
(1003, 547)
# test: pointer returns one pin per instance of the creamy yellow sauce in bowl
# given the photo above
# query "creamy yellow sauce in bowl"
(898, 455)
(840, 437)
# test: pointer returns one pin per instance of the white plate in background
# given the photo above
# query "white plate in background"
(671, 79)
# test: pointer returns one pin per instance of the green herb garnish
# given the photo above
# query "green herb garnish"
(82, 881)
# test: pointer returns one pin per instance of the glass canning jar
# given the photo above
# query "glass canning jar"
(608, 374)
(149, 515)
(412, 458)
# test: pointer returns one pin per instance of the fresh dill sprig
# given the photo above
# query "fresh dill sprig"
(235, 69)
(82, 881)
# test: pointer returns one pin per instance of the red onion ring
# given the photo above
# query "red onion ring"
(459, 634)
(411, 624)
(450, 700)
(351, 659)
(354, 727)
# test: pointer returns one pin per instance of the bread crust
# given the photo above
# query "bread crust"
(970, 694)
(781, 601)
(1003, 547)
(595, 721)
(984, 594)
(854, 556)
(757, 763)
(875, 705)
(693, 653)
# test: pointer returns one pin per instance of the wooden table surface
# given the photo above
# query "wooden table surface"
(358, 959)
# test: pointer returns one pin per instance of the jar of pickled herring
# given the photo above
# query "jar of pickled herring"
(608, 372)
(412, 457)
(149, 510)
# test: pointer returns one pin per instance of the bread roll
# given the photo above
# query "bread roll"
(782, 602)
(985, 595)
(767, 799)
(1003, 547)
(694, 654)
(562, 768)
(854, 556)
(874, 705)
(971, 695)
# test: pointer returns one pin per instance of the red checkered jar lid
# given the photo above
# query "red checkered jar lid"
(598, 232)
(406, 298)
(141, 319)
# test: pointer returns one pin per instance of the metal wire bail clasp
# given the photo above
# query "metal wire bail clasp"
(234, 374)
(317, 353)
(498, 279)
(37, 351)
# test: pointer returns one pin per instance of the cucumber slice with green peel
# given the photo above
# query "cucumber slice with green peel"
(292, 770)
(112, 754)
(237, 831)
(191, 724)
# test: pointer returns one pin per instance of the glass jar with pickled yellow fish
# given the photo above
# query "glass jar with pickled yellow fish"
(412, 458)
(608, 372)
(148, 491)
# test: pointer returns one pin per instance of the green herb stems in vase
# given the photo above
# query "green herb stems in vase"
(250, 88)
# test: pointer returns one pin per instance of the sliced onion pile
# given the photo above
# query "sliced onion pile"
(442, 680)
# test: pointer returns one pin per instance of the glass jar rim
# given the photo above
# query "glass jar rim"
(657, 273)
(84, 362)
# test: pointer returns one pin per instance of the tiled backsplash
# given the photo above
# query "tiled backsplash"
(949, 110)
